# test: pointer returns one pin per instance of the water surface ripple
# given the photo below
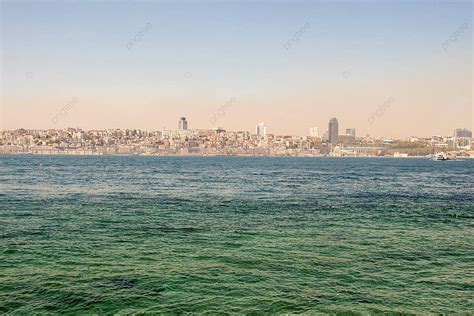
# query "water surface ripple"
(235, 235)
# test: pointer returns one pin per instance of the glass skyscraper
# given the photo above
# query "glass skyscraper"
(183, 124)
(333, 131)
(462, 132)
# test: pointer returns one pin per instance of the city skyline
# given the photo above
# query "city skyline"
(309, 62)
(184, 141)
(332, 134)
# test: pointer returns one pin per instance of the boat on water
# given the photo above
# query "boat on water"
(443, 157)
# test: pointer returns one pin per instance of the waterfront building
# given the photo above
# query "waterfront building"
(183, 124)
(464, 143)
(451, 143)
(333, 131)
(261, 129)
(400, 155)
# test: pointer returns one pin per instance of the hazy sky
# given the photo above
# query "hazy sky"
(292, 65)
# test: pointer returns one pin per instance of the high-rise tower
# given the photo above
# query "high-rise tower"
(333, 131)
(183, 124)
(261, 129)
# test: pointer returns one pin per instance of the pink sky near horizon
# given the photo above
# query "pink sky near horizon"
(424, 104)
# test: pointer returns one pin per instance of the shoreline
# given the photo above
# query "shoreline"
(236, 155)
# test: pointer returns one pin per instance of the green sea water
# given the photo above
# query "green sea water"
(232, 235)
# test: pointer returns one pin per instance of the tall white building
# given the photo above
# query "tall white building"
(261, 129)
(313, 131)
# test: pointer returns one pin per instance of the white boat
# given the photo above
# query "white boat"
(443, 157)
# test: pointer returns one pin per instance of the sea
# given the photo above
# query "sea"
(235, 235)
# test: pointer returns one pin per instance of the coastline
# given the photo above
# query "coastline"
(216, 155)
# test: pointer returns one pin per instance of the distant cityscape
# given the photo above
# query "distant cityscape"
(218, 141)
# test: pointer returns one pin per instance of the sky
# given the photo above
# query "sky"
(386, 68)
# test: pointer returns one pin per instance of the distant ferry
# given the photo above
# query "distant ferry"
(442, 157)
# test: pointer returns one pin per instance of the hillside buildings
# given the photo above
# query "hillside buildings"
(218, 141)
